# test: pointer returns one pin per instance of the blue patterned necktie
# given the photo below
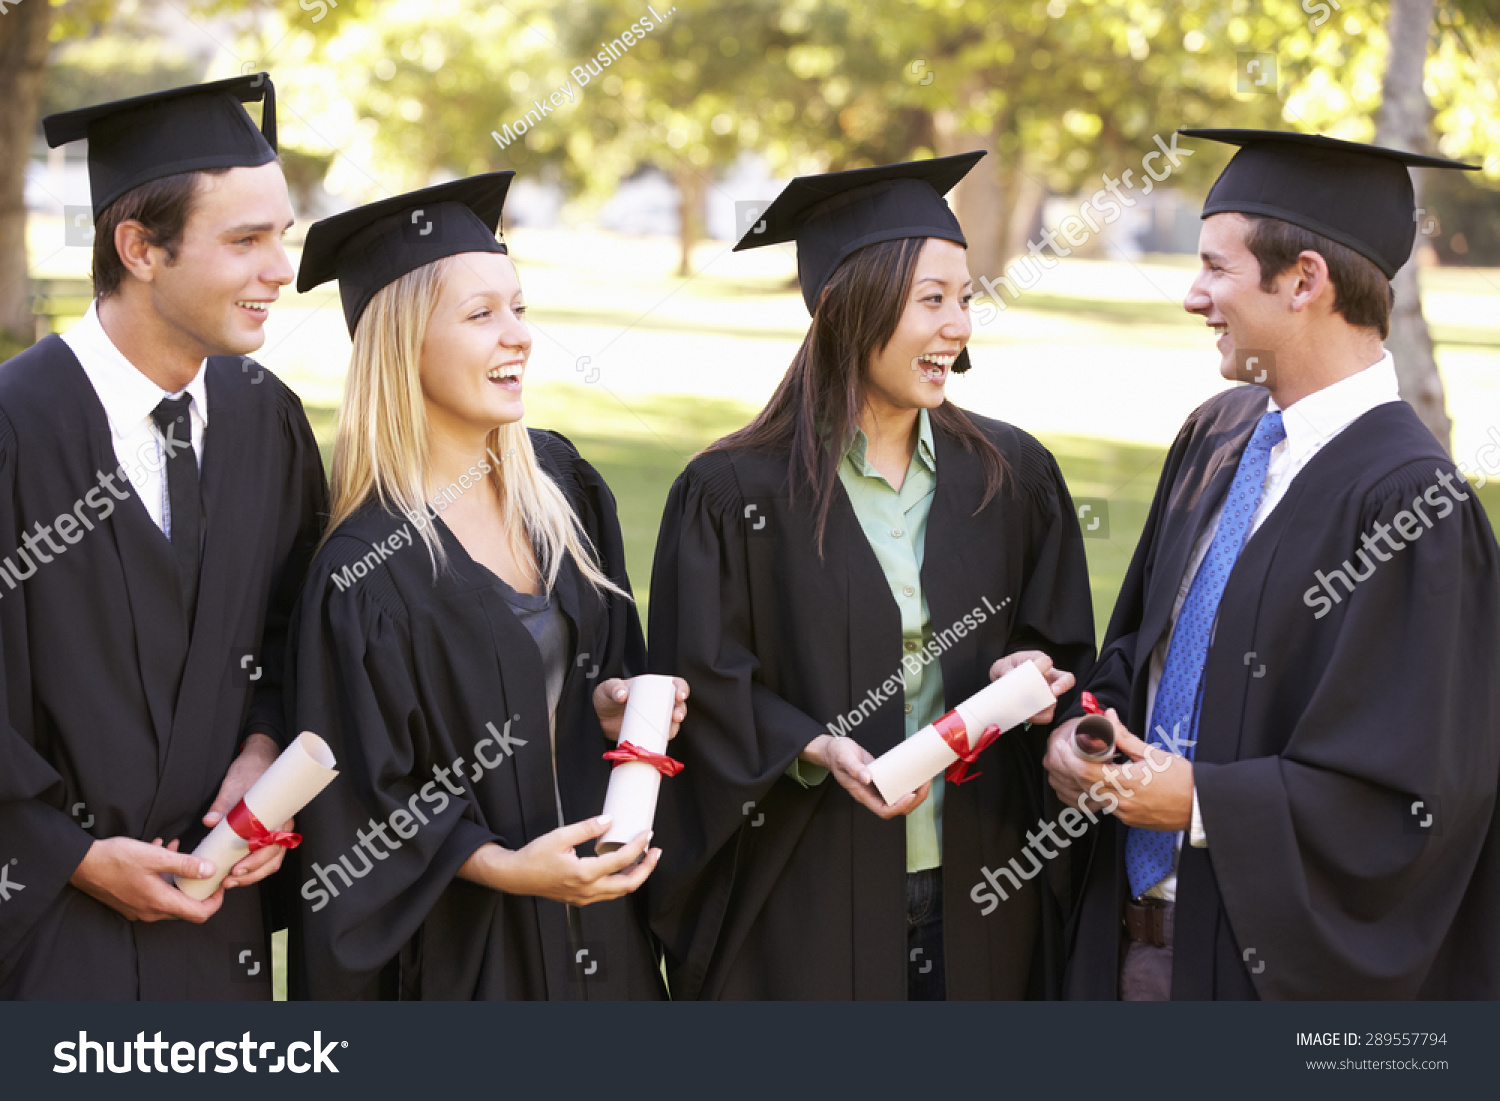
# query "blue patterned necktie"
(1179, 695)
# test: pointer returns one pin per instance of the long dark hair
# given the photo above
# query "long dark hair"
(816, 408)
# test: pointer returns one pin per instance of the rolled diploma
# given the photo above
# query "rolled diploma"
(304, 768)
(633, 785)
(1097, 730)
(1005, 703)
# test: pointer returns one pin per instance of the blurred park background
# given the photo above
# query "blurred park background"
(647, 137)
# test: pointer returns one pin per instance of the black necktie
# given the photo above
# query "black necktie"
(171, 418)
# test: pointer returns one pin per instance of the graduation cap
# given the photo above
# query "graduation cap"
(832, 215)
(144, 138)
(372, 246)
(1358, 195)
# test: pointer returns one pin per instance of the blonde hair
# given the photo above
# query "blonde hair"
(380, 448)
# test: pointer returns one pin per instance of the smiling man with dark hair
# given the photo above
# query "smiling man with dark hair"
(1322, 821)
(140, 671)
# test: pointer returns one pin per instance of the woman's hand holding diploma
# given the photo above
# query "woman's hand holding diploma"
(849, 762)
(1059, 680)
(609, 704)
(550, 868)
(953, 743)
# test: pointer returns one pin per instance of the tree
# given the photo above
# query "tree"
(1403, 124)
(24, 47)
(687, 95)
(710, 81)
(28, 28)
(1058, 91)
(1055, 93)
(1405, 121)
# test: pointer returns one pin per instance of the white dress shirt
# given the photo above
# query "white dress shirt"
(1310, 424)
(129, 398)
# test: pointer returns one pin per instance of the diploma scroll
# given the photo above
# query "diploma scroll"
(303, 770)
(1094, 736)
(1005, 703)
(641, 760)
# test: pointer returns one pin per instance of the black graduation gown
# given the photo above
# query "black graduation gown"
(1318, 735)
(112, 710)
(767, 889)
(403, 676)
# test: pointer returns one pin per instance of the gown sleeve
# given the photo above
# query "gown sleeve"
(304, 510)
(40, 844)
(1322, 865)
(739, 736)
(1113, 674)
(355, 682)
(595, 506)
(1055, 612)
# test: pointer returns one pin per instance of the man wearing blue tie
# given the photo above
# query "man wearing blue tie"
(1306, 638)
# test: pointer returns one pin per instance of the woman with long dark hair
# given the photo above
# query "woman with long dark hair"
(831, 579)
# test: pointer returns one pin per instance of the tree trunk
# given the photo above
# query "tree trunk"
(979, 199)
(1028, 195)
(690, 191)
(999, 204)
(1403, 124)
(23, 62)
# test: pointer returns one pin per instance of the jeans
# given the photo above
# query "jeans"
(1145, 970)
(924, 936)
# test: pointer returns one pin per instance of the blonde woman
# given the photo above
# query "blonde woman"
(462, 643)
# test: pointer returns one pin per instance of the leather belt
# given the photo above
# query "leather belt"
(1149, 921)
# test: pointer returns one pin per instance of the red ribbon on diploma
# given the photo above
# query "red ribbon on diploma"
(242, 822)
(1091, 705)
(953, 731)
(629, 751)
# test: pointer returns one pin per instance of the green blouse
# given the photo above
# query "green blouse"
(895, 523)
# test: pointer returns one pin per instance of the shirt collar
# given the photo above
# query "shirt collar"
(127, 395)
(1314, 420)
(925, 454)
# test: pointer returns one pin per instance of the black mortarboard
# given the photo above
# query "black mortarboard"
(372, 246)
(134, 141)
(1358, 195)
(832, 215)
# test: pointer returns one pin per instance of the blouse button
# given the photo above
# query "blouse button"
(896, 532)
(908, 709)
(909, 591)
(911, 647)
